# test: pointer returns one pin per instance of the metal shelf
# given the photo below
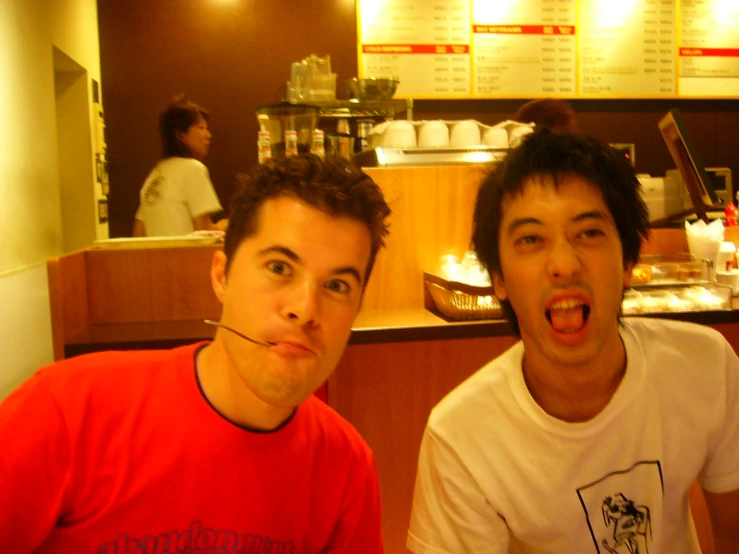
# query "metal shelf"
(365, 108)
(394, 157)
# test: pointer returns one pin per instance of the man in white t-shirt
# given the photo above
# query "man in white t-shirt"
(178, 197)
(585, 436)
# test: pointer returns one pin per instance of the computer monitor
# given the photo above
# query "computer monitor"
(688, 162)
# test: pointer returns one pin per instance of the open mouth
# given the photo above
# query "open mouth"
(568, 315)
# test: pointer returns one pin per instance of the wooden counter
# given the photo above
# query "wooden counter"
(126, 297)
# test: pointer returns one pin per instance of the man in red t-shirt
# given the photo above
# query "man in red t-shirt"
(216, 447)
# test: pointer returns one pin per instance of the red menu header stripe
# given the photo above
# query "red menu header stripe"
(711, 52)
(525, 29)
(415, 49)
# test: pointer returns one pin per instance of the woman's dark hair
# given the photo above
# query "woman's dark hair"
(558, 156)
(333, 186)
(179, 115)
(553, 113)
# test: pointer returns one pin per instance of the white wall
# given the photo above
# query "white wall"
(30, 210)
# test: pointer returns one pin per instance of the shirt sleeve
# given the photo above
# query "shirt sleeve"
(34, 466)
(450, 513)
(721, 472)
(360, 528)
(201, 197)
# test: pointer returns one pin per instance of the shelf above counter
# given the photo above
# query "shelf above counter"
(365, 108)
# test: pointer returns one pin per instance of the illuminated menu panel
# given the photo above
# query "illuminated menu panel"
(524, 48)
(627, 48)
(424, 44)
(543, 48)
(709, 48)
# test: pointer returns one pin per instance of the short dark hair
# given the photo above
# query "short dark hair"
(558, 155)
(179, 115)
(332, 185)
(553, 113)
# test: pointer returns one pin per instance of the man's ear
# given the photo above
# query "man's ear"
(218, 274)
(498, 285)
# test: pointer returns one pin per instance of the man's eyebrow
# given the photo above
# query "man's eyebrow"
(592, 214)
(284, 250)
(516, 223)
(349, 270)
(292, 256)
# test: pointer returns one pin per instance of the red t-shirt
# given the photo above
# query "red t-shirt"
(119, 453)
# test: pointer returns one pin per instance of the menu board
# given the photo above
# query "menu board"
(524, 48)
(627, 47)
(552, 48)
(424, 44)
(709, 48)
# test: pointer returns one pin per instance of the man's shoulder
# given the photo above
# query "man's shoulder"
(109, 371)
(677, 355)
(671, 333)
(333, 431)
(489, 388)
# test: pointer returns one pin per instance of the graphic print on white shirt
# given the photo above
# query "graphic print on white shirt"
(151, 193)
(621, 507)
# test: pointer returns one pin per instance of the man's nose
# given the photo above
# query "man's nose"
(303, 303)
(564, 260)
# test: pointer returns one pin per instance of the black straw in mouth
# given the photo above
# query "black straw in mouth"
(235, 332)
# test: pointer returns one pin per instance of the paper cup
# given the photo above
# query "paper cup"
(730, 278)
(496, 138)
(400, 134)
(465, 133)
(433, 134)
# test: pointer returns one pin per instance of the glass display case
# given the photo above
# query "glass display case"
(676, 269)
(681, 298)
(674, 283)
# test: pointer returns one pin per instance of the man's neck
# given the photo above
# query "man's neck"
(575, 393)
(228, 394)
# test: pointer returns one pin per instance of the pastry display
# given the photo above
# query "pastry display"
(694, 271)
(641, 274)
(658, 270)
(694, 298)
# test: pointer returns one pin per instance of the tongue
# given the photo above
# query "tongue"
(567, 320)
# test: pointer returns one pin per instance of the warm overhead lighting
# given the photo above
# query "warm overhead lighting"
(728, 7)
(724, 12)
(373, 10)
(499, 11)
(612, 14)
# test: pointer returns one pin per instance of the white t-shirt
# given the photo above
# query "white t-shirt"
(494, 464)
(176, 191)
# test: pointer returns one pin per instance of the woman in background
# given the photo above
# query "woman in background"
(178, 197)
(553, 113)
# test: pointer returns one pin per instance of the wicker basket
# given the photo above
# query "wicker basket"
(461, 301)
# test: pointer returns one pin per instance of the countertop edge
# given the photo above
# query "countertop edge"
(404, 326)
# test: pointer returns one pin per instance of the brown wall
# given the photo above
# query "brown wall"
(234, 56)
